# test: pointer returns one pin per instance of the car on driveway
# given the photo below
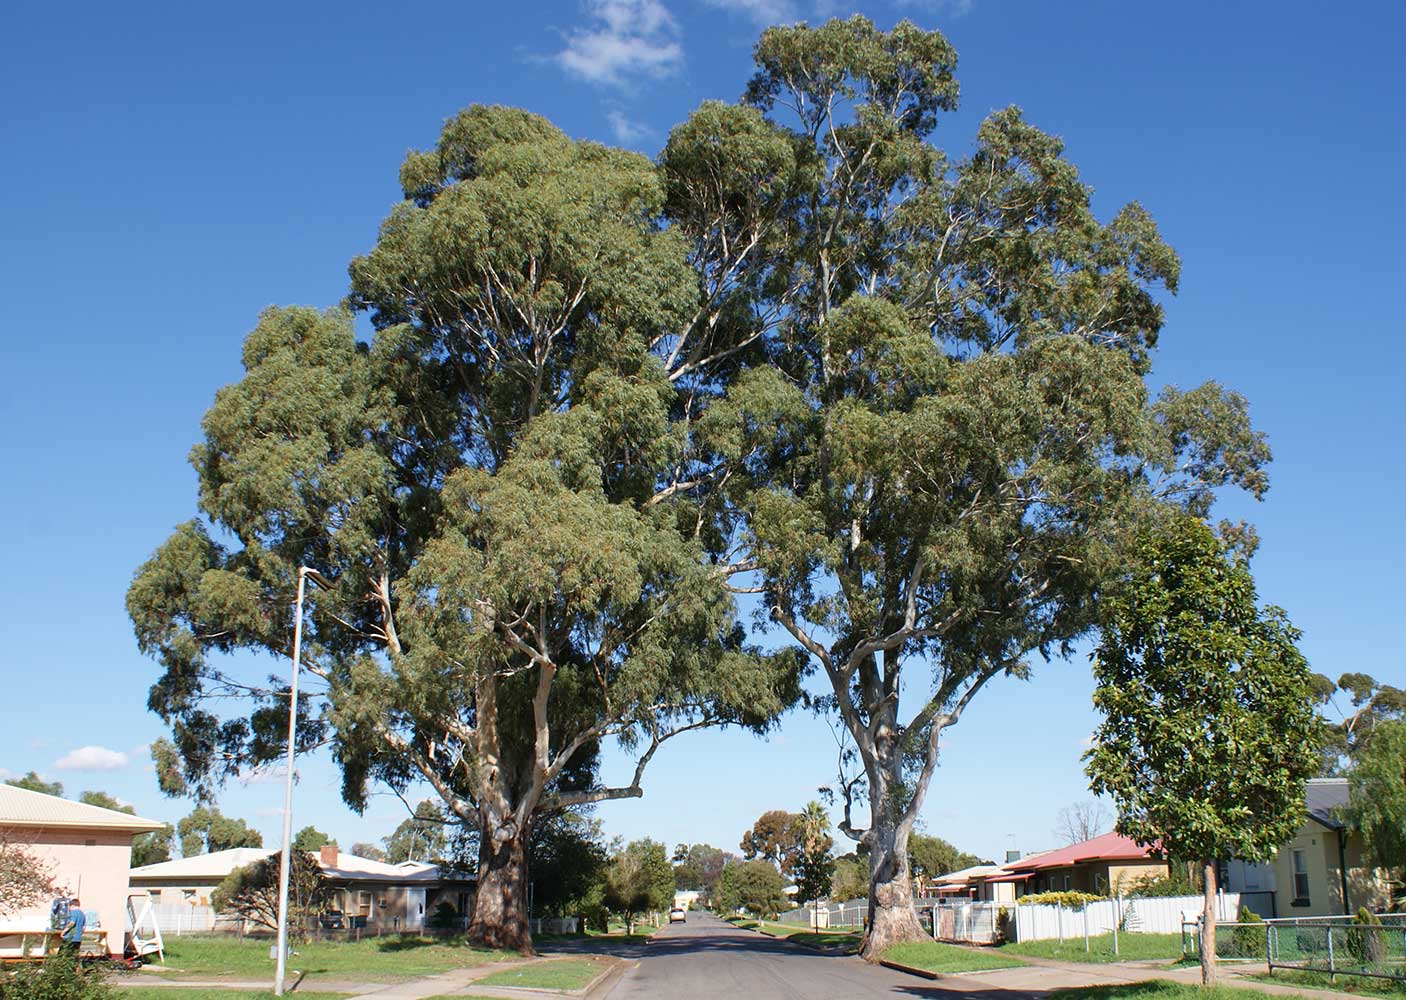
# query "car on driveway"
(678, 915)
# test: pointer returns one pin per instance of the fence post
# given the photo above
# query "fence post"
(1269, 946)
(1117, 918)
(1086, 928)
(1059, 921)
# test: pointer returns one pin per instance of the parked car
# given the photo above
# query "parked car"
(678, 915)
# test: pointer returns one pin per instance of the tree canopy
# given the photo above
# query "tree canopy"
(34, 783)
(205, 830)
(1209, 731)
(1377, 797)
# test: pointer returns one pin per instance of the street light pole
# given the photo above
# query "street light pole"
(280, 969)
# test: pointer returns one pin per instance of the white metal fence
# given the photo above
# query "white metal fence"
(849, 915)
(983, 923)
(182, 918)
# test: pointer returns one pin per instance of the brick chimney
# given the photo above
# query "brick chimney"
(328, 855)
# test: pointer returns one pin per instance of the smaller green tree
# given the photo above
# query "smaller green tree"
(310, 838)
(422, 837)
(34, 783)
(153, 848)
(371, 852)
(931, 857)
(639, 878)
(776, 837)
(1209, 730)
(813, 867)
(850, 879)
(755, 886)
(207, 830)
(1377, 798)
(251, 892)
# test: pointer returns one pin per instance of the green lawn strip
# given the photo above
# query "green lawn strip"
(802, 934)
(547, 974)
(1364, 985)
(1157, 989)
(934, 956)
(1131, 947)
(384, 959)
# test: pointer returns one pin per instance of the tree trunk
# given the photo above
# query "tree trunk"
(1208, 928)
(892, 916)
(500, 901)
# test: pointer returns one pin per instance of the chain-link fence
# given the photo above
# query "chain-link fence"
(848, 916)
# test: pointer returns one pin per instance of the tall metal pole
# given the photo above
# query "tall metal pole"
(281, 967)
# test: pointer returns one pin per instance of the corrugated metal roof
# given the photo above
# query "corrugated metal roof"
(23, 808)
(216, 864)
(1108, 847)
(1324, 797)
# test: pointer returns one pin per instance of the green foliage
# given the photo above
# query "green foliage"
(1370, 704)
(639, 879)
(1174, 883)
(699, 866)
(1071, 898)
(774, 837)
(444, 915)
(1248, 939)
(568, 864)
(755, 886)
(34, 783)
(369, 851)
(251, 892)
(1366, 940)
(1209, 731)
(310, 838)
(57, 978)
(153, 848)
(422, 837)
(850, 879)
(206, 830)
(931, 857)
(1377, 795)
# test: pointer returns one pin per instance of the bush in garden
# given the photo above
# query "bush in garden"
(1247, 940)
(1366, 940)
(59, 978)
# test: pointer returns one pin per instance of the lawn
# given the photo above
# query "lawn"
(802, 934)
(551, 974)
(1131, 947)
(934, 956)
(1364, 985)
(1157, 989)
(371, 959)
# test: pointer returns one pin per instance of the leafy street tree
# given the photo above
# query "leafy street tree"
(1081, 821)
(1377, 801)
(34, 783)
(699, 866)
(251, 892)
(774, 837)
(850, 879)
(814, 867)
(639, 879)
(206, 830)
(930, 857)
(515, 486)
(422, 837)
(568, 863)
(755, 886)
(961, 435)
(1209, 730)
(25, 878)
(310, 838)
(371, 852)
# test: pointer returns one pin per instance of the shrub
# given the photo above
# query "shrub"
(1003, 926)
(444, 916)
(59, 978)
(1248, 940)
(1161, 886)
(1072, 898)
(1365, 938)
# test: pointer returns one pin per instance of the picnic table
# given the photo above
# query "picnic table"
(37, 944)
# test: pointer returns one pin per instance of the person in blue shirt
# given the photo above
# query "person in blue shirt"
(73, 931)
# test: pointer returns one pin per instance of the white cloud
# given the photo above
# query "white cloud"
(763, 12)
(625, 38)
(92, 759)
(626, 129)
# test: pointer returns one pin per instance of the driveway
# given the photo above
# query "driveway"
(708, 959)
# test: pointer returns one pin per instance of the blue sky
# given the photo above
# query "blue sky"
(170, 169)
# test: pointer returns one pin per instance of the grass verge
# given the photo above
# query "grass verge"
(1363, 985)
(1131, 947)
(551, 974)
(934, 956)
(1157, 989)
(386, 959)
(176, 993)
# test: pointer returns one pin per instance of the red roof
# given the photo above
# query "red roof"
(1109, 847)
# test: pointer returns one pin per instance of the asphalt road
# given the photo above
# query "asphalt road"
(708, 959)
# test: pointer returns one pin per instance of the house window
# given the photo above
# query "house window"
(363, 902)
(1300, 876)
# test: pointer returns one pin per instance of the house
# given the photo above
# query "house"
(90, 851)
(963, 883)
(1104, 865)
(371, 894)
(1324, 870)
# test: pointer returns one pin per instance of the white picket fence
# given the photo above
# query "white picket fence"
(978, 922)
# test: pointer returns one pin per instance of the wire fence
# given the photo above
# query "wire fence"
(848, 916)
(1336, 946)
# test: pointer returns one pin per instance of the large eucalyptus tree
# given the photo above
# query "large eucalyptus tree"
(510, 485)
(962, 437)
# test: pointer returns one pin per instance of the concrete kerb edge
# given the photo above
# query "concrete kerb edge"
(911, 970)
